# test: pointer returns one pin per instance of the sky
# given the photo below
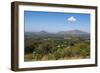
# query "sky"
(36, 21)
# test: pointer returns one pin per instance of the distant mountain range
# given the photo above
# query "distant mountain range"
(60, 34)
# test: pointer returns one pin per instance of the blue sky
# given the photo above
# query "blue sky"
(36, 21)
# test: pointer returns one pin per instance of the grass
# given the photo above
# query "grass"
(57, 50)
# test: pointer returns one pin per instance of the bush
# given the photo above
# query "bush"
(51, 56)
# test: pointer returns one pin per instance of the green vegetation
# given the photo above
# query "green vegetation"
(38, 49)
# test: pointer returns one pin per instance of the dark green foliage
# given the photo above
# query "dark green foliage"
(29, 49)
(56, 48)
(44, 48)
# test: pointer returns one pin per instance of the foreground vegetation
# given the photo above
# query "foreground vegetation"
(56, 49)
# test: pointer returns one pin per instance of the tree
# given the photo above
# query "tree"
(44, 48)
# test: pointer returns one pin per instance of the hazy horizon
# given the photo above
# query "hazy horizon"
(56, 32)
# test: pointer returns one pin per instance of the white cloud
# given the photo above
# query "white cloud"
(71, 19)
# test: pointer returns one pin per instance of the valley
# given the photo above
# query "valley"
(62, 45)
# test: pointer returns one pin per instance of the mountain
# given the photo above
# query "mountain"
(73, 32)
(61, 34)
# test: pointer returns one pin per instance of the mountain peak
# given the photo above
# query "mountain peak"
(78, 31)
(43, 32)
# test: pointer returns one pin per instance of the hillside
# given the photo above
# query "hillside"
(60, 34)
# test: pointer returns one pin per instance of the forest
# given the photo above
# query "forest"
(41, 48)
